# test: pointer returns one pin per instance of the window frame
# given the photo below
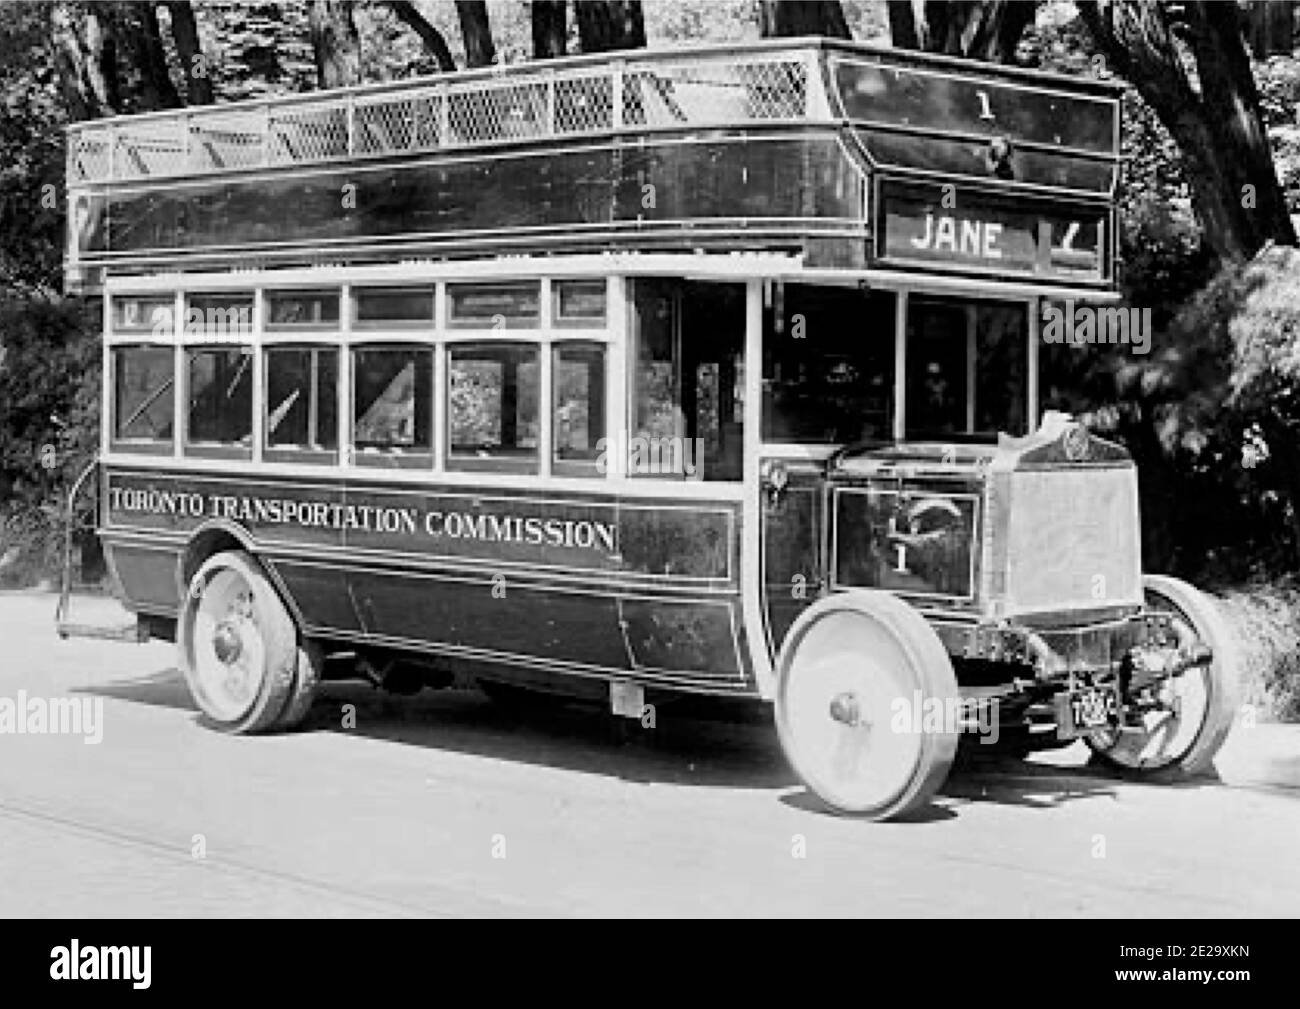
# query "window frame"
(634, 342)
(543, 340)
(216, 449)
(140, 446)
(356, 292)
(296, 330)
(559, 321)
(530, 465)
(139, 332)
(245, 338)
(969, 308)
(392, 457)
(532, 324)
(585, 468)
(300, 454)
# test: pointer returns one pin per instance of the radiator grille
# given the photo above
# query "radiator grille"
(1072, 540)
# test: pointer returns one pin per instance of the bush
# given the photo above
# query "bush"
(1212, 419)
(49, 425)
(1266, 621)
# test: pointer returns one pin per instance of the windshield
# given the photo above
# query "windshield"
(829, 367)
(966, 368)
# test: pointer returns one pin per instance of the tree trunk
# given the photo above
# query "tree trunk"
(477, 32)
(550, 29)
(142, 43)
(902, 24)
(987, 30)
(609, 25)
(790, 18)
(198, 82)
(429, 35)
(335, 42)
(1217, 124)
(1272, 28)
(86, 59)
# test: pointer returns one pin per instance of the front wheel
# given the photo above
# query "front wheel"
(1187, 717)
(867, 705)
(238, 644)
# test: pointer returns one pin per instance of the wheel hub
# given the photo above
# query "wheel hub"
(845, 709)
(227, 643)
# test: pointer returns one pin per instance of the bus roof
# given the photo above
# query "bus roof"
(788, 145)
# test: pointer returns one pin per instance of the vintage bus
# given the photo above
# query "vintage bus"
(709, 370)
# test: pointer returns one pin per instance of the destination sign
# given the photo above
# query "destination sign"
(988, 233)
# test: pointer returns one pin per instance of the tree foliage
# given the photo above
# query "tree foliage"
(35, 112)
(49, 422)
(1189, 63)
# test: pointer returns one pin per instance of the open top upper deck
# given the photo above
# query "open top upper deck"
(840, 155)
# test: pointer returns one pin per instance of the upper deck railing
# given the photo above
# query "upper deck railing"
(534, 101)
(832, 150)
(721, 86)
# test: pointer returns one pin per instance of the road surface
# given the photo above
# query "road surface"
(442, 805)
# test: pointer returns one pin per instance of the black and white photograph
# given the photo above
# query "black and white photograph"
(651, 459)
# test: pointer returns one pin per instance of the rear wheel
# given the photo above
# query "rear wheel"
(238, 644)
(311, 660)
(1188, 716)
(859, 679)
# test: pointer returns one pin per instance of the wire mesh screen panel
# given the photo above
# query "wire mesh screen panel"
(715, 92)
(307, 133)
(236, 138)
(517, 105)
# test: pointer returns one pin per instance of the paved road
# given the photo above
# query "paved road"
(441, 805)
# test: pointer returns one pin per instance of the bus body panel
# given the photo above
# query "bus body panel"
(596, 584)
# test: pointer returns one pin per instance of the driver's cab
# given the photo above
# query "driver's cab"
(850, 371)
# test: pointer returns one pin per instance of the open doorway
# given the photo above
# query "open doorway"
(688, 379)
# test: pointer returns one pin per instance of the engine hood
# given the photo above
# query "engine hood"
(1039, 527)
(1059, 441)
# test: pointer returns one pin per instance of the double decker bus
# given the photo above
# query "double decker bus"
(709, 370)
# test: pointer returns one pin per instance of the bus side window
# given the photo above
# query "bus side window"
(302, 402)
(578, 374)
(493, 406)
(143, 403)
(393, 406)
(220, 396)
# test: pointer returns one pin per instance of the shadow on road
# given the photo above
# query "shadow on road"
(165, 688)
(692, 743)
